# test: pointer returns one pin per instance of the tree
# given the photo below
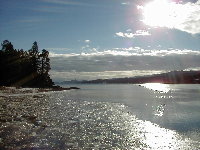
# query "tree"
(34, 54)
(45, 68)
(45, 64)
(22, 68)
(34, 50)
(7, 46)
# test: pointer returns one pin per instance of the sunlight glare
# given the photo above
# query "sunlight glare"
(161, 13)
(161, 138)
(157, 87)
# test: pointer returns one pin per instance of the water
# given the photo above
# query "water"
(158, 115)
(176, 107)
(122, 116)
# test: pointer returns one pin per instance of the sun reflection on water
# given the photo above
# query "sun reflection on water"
(161, 138)
(79, 124)
(165, 88)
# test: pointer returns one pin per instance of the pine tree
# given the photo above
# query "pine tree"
(22, 68)
(45, 68)
(7, 46)
(34, 54)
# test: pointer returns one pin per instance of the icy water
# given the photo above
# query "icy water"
(146, 117)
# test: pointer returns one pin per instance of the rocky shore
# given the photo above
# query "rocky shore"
(22, 112)
(19, 116)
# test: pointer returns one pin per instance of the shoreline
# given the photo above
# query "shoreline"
(27, 90)
(21, 116)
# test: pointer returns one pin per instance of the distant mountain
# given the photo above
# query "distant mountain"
(72, 82)
(173, 77)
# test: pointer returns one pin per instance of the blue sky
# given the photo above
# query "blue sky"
(68, 23)
(104, 27)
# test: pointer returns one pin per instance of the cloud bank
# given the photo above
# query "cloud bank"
(118, 62)
(132, 35)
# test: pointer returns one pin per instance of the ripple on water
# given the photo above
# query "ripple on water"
(103, 125)
(96, 125)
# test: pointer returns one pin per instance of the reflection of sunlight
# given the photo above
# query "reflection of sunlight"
(157, 87)
(160, 138)
(159, 111)
(149, 136)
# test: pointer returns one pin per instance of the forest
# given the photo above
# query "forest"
(24, 68)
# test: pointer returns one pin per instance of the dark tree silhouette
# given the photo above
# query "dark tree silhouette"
(45, 68)
(45, 62)
(34, 54)
(22, 68)
(7, 46)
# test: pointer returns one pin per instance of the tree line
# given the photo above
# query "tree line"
(24, 68)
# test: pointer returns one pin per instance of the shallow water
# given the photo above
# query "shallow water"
(172, 106)
(109, 117)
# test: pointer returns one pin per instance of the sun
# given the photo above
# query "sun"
(160, 13)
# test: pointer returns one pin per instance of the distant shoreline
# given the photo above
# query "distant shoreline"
(173, 77)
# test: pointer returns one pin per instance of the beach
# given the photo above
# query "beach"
(20, 116)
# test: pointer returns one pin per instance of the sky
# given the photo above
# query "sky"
(90, 39)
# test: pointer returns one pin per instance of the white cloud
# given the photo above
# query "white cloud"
(142, 33)
(125, 35)
(193, 68)
(191, 22)
(132, 35)
(132, 51)
(125, 3)
(53, 54)
(181, 16)
(57, 49)
(121, 34)
(121, 62)
(87, 41)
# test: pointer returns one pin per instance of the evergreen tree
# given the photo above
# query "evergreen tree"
(22, 68)
(7, 46)
(45, 68)
(34, 54)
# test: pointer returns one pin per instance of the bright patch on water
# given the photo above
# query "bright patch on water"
(157, 87)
